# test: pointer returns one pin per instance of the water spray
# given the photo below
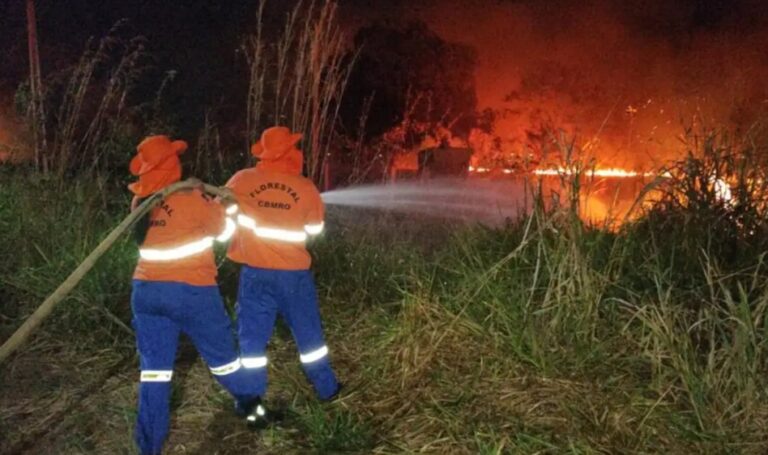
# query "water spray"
(491, 202)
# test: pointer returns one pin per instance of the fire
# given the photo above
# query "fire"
(610, 200)
(722, 190)
(597, 172)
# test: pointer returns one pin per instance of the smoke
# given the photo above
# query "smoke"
(624, 76)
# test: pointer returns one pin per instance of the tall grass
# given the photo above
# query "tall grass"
(82, 114)
(53, 231)
(647, 339)
(209, 156)
(548, 335)
(300, 80)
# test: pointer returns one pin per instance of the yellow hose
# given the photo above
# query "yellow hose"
(44, 310)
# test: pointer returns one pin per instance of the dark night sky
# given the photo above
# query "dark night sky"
(197, 39)
(206, 32)
(603, 50)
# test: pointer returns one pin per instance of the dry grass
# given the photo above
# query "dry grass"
(300, 80)
(547, 336)
(81, 130)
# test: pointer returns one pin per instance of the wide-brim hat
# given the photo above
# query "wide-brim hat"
(153, 151)
(274, 142)
(156, 164)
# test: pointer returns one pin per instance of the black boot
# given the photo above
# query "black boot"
(256, 415)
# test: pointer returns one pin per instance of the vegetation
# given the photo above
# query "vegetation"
(299, 82)
(548, 335)
(545, 336)
(411, 74)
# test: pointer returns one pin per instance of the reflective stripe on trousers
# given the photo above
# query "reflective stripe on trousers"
(156, 375)
(264, 294)
(226, 369)
(314, 356)
(254, 362)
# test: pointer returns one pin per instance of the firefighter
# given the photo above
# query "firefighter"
(279, 210)
(175, 290)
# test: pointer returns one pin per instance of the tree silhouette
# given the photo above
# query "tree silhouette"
(398, 64)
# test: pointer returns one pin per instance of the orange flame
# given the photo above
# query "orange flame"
(597, 172)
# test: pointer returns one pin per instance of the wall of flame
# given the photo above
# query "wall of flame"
(626, 77)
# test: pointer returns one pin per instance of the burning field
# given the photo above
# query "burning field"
(546, 222)
(541, 335)
(629, 83)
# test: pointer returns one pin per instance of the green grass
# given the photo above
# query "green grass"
(546, 336)
(335, 430)
(49, 230)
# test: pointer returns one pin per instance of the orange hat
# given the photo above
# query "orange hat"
(274, 142)
(157, 164)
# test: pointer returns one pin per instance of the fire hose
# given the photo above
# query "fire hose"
(44, 310)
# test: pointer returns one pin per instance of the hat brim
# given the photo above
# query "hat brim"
(179, 146)
(135, 187)
(135, 166)
(295, 137)
(257, 149)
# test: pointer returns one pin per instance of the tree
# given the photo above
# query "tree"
(400, 65)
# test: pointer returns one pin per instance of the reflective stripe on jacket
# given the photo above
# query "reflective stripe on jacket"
(179, 243)
(278, 213)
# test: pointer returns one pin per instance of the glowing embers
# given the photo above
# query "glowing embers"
(156, 375)
(283, 235)
(183, 251)
(226, 369)
(254, 362)
(315, 355)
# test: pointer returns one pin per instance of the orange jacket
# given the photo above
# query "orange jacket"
(279, 208)
(277, 213)
(179, 242)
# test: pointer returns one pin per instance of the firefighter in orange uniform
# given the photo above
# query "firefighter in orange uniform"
(279, 210)
(174, 291)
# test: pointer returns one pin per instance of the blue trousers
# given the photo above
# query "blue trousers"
(262, 295)
(161, 311)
